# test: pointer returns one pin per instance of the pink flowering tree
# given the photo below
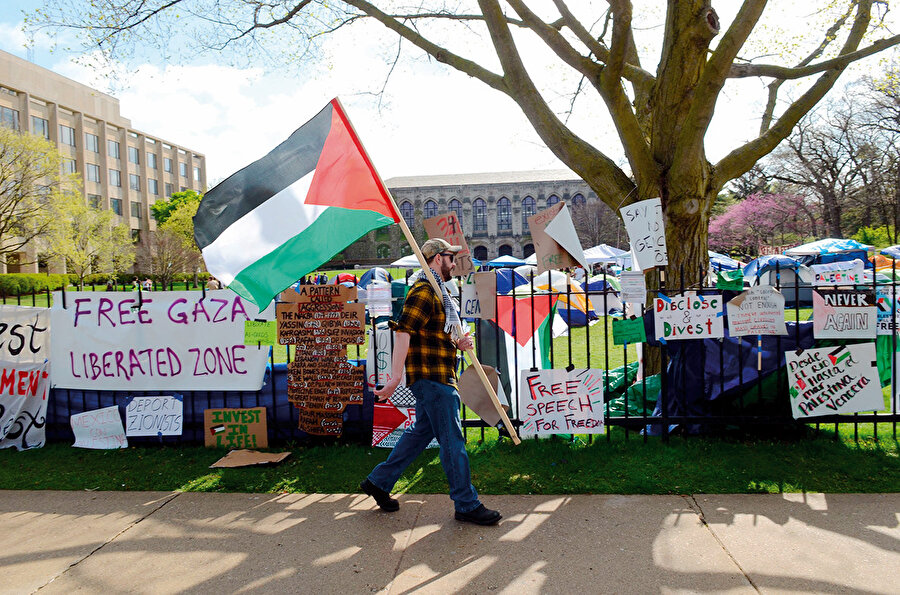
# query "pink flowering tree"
(763, 219)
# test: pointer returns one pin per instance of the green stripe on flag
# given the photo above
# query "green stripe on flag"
(331, 232)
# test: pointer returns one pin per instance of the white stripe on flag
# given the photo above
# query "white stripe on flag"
(262, 230)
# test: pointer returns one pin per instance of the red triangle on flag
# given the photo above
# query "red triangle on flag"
(527, 320)
(344, 175)
(385, 419)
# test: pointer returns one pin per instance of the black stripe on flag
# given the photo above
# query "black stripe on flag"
(248, 188)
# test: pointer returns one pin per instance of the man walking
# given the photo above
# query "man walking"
(425, 345)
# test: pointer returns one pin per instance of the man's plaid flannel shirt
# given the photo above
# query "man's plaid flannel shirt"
(432, 353)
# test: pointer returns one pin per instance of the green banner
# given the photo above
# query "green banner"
(628, 330)
(733, 280)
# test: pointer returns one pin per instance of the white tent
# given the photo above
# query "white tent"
(408, 262)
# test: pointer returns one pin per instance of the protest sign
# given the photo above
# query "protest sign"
(628, 330)
(474, 286)
(634, 288)
(561, 402)
(548, 252)
(757, 311)
(99, 429)
(172, 340)
(24, 393)
(838, 273)
(24, 334)
(688, 316)
(829, 380)
(730, 280)
(844, 314)
(161, 415)
(235, 428)
(474, 395)
(260, 332)
(449, 227)
(562, 230)
(378, 298)
(646, 233)
(886, 298)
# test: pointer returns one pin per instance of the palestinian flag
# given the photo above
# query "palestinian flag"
(283, 216)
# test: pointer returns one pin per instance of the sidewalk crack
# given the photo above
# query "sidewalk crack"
(695, 506)
(165, 501)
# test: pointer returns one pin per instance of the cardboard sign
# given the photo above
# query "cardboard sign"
(478, 295)
(235, 428)
(562, 230)
(448, 227)
(886, 304)
(844, 314)
(646, 232)
(99, 429)
(634, 287)
(154, 416)
(475, 396)
(329, 325)
(319, 293)
(248, 458)
(730, 280)
(24, 334)
(24, 394)
(757, 311)
(549, 254)
(260, 332)
(628, 330)
(561, 402)
(688, 316)
(838, 273)
(830, 380)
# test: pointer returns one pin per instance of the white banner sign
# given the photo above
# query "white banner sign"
(757, 311)
(561, 402)
(844, 314)
(830, 380)
(644, 224)
(24, 334)
(24, 391)
(101, 429)
(838, 273)
(688, 316)
(175, 340)
(634, 288)
(154, 416)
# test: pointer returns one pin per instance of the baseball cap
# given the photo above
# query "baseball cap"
(437, 245)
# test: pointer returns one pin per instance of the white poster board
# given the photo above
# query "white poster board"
(634, 287)
(757, 311)
(470, 306)
(24, 394)
(158, 415)
(844, 314)
(646, 233)
(378, 298)
(561, 402)
(838, 273)
(688, 316)
(886, 305)
(99, 429)
(175, 340)
(830, 380)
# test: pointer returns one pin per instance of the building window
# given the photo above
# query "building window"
(480, 253)
(456, 207)
(383, 251)
(528, 209)
(552, 200)
(151, 160)
(408, 212)
(115, 205)
(169, 189)
(505, 250)
(136, 209)
(479, 215)
(528, 250)
(134, 182)
(68, 166)
(578, 200)
(504, 215)
(167, 164)
(115, 178)
(153, 186)
(93, 173)
(94, 200)
(40, 127)
(91, 142)
(182, 169)
(196, 174)
(430, 209)
(112, 147)
(134, 156)
(66, 135)
(9, 118)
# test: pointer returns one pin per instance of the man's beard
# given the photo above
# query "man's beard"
(445, 271)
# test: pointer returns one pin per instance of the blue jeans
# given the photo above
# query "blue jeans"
(437, 416)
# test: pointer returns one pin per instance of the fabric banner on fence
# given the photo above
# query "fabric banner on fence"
(24, 334)
(24, 389)
(175, 340)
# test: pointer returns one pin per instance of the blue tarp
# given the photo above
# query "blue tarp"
(760, 265)
(507, 279)
(826, 246)
(376, 273)
(721, 262)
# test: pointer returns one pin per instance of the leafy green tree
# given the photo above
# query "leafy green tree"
(172, 248)
(163, 209)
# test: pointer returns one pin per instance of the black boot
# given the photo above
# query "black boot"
(384, 500)
(479, 516)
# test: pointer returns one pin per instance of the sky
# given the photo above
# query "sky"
(430, 119)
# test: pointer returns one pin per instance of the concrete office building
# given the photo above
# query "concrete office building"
(122, 169)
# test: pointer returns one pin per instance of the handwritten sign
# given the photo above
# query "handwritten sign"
(24, 392)
(378, 299)
(99, 429)
(730, 280)
(235, 428)
(161, 415)
(838, 273)
(830, 380)
(478, 295)
(634, 287)
(171, 340)
(547, 251)
(886, 302)
(448, 227)
(646, 233)
(628, 331)
(24, 334)
(757, 311)
(561, 402)
(688, 316)
(844, 314)
(260, 332)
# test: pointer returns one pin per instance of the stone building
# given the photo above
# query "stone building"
(122, 169)
(493, 207)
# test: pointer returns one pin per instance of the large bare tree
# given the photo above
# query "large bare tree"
(661, 116)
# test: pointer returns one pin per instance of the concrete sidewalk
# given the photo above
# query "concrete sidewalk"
(92, 542)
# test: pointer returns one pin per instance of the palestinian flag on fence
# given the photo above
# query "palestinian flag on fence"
(283, 216)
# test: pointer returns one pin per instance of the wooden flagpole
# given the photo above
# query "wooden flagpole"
(434, 284)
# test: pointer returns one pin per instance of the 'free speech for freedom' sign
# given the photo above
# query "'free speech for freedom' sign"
(175, 340)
